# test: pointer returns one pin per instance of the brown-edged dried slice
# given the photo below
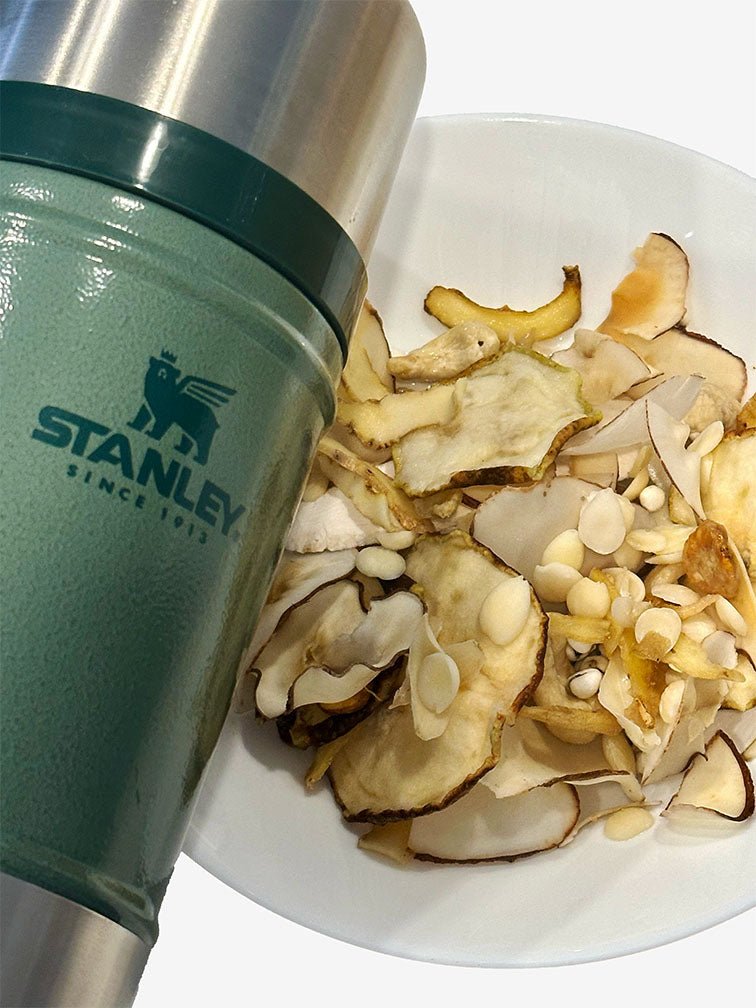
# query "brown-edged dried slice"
(651, 298)
(451, 307)
(551, 508)
(531, 756)
(448, 355)
(607, 367)
(298, 576)
(299, 640)
(514, 414)
(329, 523)
(598, 801)
(481, 827)
(746, 418)
(366, 374)
(680, 352)
(629, 427)
(729, 495)
(385, 772)
(718, 781)
(379, 424)
(315, 726)
(371, 491)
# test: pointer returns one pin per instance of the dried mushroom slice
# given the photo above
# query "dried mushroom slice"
(718, 781)
(373, 493)
(329, 523)
(366, 374)
(385, 772)
(449, 354)
(608, 368)
(451, 307)
(299, 640)
(513, 416)
(481, 827)
(729, 494)
(651, 298)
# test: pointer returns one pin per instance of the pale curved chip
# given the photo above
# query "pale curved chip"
(607, 367)
(305, 629)
(513, 416)
(451, 307)
(389, 840)
(366, 374)
(481, 827)
(730, 491)
(651, 298)
(329, 523)
(717, 781)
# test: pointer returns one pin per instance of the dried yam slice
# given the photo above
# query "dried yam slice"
(681, 352)
(379, 424)
(551, 509)
(373, 493)
(297, 578)
(481, 827)
(651, 298)
(449, 354)
(531, 756)
(385, 772)
(451, 307)
(717, 781)
(513, 415)
(366, 374)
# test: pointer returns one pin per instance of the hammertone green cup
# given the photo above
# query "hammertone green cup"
(163, 390)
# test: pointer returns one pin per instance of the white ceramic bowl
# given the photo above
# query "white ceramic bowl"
(495, 205)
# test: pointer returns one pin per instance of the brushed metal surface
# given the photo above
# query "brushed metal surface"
(56, 952)
(324, 91)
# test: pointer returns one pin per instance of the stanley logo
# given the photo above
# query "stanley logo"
(120, 465)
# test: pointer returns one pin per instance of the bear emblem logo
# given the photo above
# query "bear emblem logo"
(188, 402)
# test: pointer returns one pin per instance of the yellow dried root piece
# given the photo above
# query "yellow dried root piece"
(729, 496)
(372, 492)
(451, 307)
(600, 722)
(449, 354)
(366, 374)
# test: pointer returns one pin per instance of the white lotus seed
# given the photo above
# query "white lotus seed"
(661, 621)
(552, 581)
(505, 611)
(677, 594)
(396, 540)
(578, 648)
(437, 682)
(652, 498)
(566, 548)
(585, 683)
(588, 598)
(670, 700)
(719, 648)
(378, 562)
(627, 823)
(624, 611)
(601, 525)
(708, 439)
(730, 616)
(627, 583)
(699, 627)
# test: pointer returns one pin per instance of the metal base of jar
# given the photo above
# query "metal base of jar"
(56, 952)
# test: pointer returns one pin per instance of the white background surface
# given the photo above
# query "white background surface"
(682, 70)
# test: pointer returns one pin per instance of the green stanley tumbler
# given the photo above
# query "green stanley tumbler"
(188, 194)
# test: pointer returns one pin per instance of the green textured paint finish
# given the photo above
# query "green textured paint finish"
(162, 394)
